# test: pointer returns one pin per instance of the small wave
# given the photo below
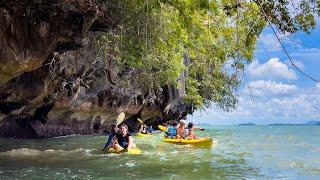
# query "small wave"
(315, 170)
(131, 164)
(174, 152)
(215, 142)
(71, 135)
(316, 150)
(297, 164)
(34, 152)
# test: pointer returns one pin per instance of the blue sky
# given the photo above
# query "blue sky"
(275, 92)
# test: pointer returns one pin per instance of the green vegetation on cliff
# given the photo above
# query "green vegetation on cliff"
(192, 40)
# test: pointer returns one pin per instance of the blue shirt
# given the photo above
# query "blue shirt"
(171, 131)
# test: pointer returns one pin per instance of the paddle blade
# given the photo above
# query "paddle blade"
(140, 121)
(120, 118)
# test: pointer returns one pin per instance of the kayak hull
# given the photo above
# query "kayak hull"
(128, 151)
(199, 141)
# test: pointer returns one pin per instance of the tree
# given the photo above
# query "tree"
(156, 37)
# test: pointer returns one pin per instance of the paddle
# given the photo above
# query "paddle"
(140, 120)
(144, 124)
(120, 118)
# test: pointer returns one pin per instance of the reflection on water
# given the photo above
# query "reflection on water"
(239, 152)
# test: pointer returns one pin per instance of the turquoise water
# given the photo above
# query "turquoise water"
(240, 152)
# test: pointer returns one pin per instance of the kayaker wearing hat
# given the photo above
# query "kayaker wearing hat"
(181, 133)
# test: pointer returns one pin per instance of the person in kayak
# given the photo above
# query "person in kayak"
(114, 131)
(181, 131)
(190, 133)
(123, 140)
(142, 129)
(150, 129)
(172, 131)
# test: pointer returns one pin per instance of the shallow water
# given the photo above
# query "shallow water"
(239, 152)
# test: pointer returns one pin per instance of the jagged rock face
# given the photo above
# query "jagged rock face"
(30, 31)
(54, 81)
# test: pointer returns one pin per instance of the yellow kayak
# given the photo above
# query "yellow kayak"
(162, 128)
(200, 141)
(128, 151)
(144, 135)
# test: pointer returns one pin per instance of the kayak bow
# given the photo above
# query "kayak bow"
(162, 128)
(144, 135)
(128, 151)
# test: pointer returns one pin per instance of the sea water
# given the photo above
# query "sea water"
(239, 152)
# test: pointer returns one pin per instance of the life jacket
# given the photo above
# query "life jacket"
(171, 131)
(123, 141)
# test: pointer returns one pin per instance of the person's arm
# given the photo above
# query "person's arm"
(109, 141)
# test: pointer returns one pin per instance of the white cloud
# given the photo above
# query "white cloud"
(274, 100)
(301, 106)
(270, 88)
(272, 69)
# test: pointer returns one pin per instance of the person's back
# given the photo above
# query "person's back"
(150, 129)
(171, 132)
(140, 130)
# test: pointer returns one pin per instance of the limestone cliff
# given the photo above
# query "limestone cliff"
(53, 79)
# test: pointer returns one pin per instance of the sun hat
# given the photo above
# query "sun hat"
(182, 121)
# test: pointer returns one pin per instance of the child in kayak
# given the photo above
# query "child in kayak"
(124, 139)
(142, 129)
(171, 132)
(191, 135)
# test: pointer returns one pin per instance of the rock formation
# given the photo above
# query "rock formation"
(54, 81)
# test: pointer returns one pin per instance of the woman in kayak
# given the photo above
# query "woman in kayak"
(123, 140)
(181, 131)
